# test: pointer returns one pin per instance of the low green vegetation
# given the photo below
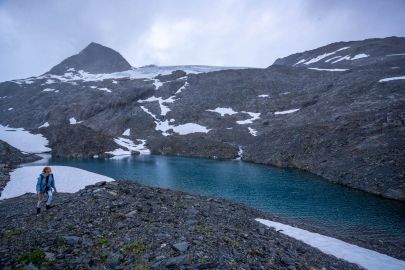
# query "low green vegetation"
(102, 241)
(207, 230)
(229, 241)
(36, 257)
(136, 247)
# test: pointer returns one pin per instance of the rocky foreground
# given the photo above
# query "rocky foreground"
(122, 225)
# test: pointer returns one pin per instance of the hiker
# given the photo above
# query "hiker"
(45, 183)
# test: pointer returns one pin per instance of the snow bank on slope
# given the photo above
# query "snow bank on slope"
(359, 56)
(252, 131)
(44, 125)
(322, 56)
(130, 146)
(287, 111)
(163, 108)
(127, 132)
(73, 121)
(329, 69)
(223, 111)
(189, 128)
(392, 79)
(24, 140)
(67, 179)
(366, 258)
(182, 88)
(105, 89)
(184, 129)
(254, 117)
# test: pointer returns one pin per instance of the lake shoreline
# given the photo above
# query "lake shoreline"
(391, 245)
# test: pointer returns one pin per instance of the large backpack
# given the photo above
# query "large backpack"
(46, 183)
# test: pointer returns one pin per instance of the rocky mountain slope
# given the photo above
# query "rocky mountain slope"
(10, 157)
(121, 225)
(343, 120)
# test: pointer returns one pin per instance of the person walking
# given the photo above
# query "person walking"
(45, 184)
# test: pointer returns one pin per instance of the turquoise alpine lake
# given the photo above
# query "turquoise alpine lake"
(288, 193)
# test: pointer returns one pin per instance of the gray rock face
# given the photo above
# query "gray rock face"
(10, 157)
(77, 141)
(344, 55)
(95, 58)
(345, 123)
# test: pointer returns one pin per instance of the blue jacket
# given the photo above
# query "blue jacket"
(41, 183)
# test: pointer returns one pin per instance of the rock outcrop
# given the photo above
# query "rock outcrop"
(10, 157)
(95, 58)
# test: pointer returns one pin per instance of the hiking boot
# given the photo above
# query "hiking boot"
(49, 207)
(38, 210)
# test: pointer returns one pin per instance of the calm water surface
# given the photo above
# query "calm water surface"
(284, 192)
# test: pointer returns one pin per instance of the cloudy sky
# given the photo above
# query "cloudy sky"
(36, 35)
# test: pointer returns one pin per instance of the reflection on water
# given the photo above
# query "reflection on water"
(285, 192)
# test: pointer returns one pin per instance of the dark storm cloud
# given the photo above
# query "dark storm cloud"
(35, 35)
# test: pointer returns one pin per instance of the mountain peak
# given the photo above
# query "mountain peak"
(95, 58)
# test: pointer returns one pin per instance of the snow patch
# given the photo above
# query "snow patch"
(190, 128)
(240, 153)
(130, 146)
(44, 125)
(322, 56)
(24, 140)
(392, 79)
(287, 111)
(49, 81)
(67, 179)
(223, 111)
(105, 89)
(299, 62)
(347, 57)
(157, 83)
(163, 108)
(263, 96)
(396, 54)
(127, 132)
(182, 88)
(254, 117)
(359, 56)
(330, 59)
(49, 90)
(329, 69)
(252, 131)
(10, 109)
(365, 258)
(184, 129)
(73, 121)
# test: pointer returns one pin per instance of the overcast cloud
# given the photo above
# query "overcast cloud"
(36, 35)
